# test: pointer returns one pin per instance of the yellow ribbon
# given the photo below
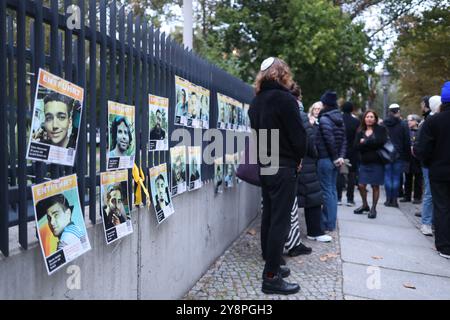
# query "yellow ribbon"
(139, 178)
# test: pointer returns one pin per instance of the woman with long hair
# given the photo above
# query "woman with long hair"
(275, 110)
(369, 139)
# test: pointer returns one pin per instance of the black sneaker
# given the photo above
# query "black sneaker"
(417, 201)
(405, 200)
(394, 203)
(298, 250)
(361, 210)
(388, 202)
(277, 285)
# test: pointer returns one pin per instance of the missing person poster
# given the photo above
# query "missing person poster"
(115, 205)
(158, 123)
(193, 117)
(194, 172)
(218, 175)
(122, 140)
(204, 107)
(159, 187)
(247, 126)
(59, 221)
(230, 171)
(182, 89)
(237, 160)
(222, 119)
(178, 170)
(56, 120)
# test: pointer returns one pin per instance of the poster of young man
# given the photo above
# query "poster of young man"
(218, 175)
(182, 89)
(230, 171)
(115, 206)
(59, 221)
(194, 172)
(121, 141)
(159, 186)
(158, 123)
(193, 117)
(204, 108)
(239, 121)
(178, 170)
(56, 120)
(222, 116)
(246, 118)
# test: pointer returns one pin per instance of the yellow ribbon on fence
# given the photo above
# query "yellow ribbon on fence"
(139, 178)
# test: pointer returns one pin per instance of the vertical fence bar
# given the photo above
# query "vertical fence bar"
(103, 103)
(21, 125)
(122, 55)
(156, 154)
(4, 216)
(112, 51)
(81, 168)
(130, 83)
(137, 96)
(144, 101)
(92, 111)
(12, 111)
(151, 79)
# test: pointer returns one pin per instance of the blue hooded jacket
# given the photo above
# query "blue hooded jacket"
(331, 141)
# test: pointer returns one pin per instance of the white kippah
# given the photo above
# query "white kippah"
(267, 63)
(394, 106)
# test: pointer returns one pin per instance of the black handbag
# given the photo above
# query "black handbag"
(387, 153)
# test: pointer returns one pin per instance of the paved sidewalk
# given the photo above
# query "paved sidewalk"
(389, 258)
(385, 258)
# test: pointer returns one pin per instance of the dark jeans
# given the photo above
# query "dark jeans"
(415, 179)
(313, 221)
(350, 182)
(278, 192)
(392, 176)
(440, 191)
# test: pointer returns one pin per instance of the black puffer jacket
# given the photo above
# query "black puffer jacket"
(351, 127)
(309, 191)
(399, 134)
(331, 140)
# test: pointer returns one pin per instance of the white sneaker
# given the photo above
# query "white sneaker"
(339, 203)
(426, 230)
(446, 256)
(322, 238)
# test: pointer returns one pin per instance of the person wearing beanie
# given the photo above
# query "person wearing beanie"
(351, 126)
(433, 149)
(331, 146)
(399, 134)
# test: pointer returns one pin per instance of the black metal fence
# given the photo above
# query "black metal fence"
(114, 56)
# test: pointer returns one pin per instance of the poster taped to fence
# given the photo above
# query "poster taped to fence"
(247, 126)
(161, 198)
(55, 125)
(158, 123)
(204, 107)
(194, 172)
(230, 170)
(182, 89)
(222, 119)
(59, 220)
(218, 175)
(193, 116)
(121, 137)
(115, 205)
(178, 170)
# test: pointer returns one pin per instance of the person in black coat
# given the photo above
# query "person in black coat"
(369, 139)
(433, 149)
(309, 195)
(399, 135)
(274, 108)
(331, 146)
(351, 126)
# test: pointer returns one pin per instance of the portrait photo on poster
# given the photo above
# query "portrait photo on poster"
(56, 117)
(158, 123)
(218, 175)
(230, 170)
(182, 89)
(178, 170)
(194, 167)
(115, 205)
(59, 221)
(161, 198)
(121, 136)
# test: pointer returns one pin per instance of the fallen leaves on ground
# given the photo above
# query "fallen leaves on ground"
(328, 256)
(377, 257)
(252, 232)
(409, 286)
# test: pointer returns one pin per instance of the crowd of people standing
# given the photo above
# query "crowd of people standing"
(330, 150)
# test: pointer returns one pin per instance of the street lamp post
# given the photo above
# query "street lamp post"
(385, 83)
